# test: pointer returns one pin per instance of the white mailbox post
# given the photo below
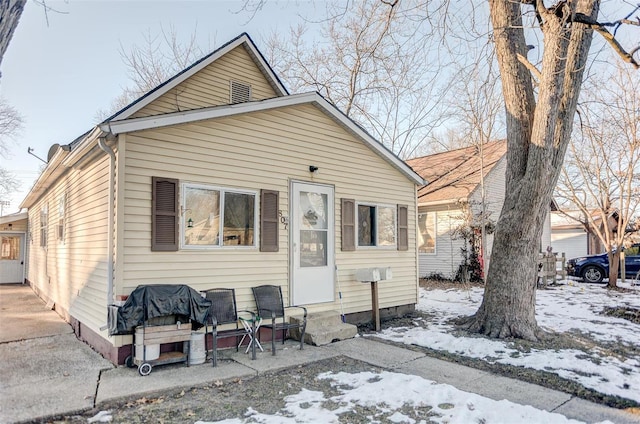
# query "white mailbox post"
(373, 275)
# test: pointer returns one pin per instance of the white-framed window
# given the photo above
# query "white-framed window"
(377, 225)
(427, 232)
(215, 217)
(44, 221)
(61, 210)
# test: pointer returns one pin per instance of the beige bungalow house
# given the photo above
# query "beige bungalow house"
(453, 199)
(220, 178)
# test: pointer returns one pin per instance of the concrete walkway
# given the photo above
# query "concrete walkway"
(46, 371)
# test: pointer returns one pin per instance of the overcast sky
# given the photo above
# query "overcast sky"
(58, 76)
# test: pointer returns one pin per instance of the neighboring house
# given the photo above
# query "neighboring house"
(13, 247)
(570, 236)
(220, 178)
(452, 198)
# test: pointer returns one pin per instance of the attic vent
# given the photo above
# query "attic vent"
(240, 92)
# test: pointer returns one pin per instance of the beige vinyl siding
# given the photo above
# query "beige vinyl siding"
(447, 258)
(211, 86)
(263, 150)
(73, 272)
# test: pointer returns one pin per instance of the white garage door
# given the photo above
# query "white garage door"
(572, 242)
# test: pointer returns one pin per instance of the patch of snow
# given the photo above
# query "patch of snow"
(572, 308)
(388, 392)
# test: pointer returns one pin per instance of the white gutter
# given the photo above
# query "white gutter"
(110, 224)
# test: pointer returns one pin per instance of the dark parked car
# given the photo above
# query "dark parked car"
(595, 268)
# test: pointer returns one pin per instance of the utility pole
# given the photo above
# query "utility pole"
(4, 203)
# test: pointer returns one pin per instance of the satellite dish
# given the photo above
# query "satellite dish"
(52, 151)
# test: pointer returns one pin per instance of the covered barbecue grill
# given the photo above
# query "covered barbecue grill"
(150, 304)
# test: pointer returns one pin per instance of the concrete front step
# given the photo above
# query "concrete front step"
(324, 328)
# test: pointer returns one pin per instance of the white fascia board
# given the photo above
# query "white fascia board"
(139, 124)
(176, 118)
(197, 68)
(443, 202)
(61, 160)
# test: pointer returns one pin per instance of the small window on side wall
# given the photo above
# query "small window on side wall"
(376, 225)
(427, 232)
(60, 226)
(44, 222)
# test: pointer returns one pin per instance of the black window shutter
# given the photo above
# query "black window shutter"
(269, 221)
(403, 227)
(348, 213)
(164, 214)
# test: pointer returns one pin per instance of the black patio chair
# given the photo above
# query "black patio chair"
(223, 311)
(270, 305)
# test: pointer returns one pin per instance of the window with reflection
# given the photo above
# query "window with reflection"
(376, 225)
(217, 217)
(427, 232)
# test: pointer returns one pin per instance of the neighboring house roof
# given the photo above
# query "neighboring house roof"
(454, 175)
(18, 216)
(61, 157)
(573, 219)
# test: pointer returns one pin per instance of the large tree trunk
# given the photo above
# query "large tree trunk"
(10, 12)
(537, 138)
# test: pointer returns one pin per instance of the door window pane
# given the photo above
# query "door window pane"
(239, 219)
(10, 248)
(201, 216)
(313, 211)
(313, 248)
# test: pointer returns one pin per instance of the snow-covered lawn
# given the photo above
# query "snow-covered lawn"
(388, 394)
(572, 308)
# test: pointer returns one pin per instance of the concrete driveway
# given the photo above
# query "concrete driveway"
(44, 369)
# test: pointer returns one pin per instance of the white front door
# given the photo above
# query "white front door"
(312, 233)
(11, 258)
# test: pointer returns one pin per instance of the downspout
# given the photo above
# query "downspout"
(110, 225)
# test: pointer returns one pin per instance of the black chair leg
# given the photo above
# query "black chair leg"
(214, 355)
(273, 336)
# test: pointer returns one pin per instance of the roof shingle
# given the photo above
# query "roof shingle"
(455, 174)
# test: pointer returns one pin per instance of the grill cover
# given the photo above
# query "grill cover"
(157, 300)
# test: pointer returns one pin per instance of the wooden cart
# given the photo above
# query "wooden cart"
(158, 335)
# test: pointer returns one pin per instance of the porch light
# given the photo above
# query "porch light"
(190, 223)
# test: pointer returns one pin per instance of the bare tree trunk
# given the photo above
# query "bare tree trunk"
(10, 12)
(614, 265)
(537, 137)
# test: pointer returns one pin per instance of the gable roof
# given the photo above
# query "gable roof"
(241, 40)
(66, 155)
(157, 121)
(455, 174)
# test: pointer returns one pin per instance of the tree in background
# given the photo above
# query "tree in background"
(376, 63)
(601, 175)
(10, 12)
(160, 57)
(10, 126)
(540, 103)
